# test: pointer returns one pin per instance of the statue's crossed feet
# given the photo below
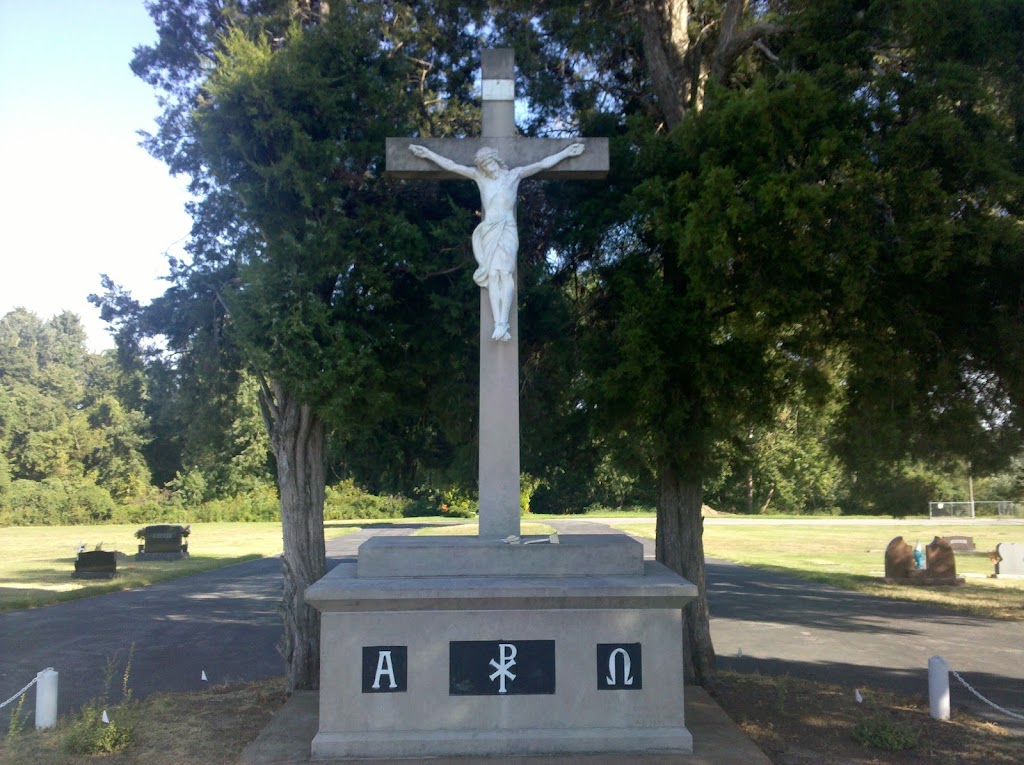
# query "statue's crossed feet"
(501, 332)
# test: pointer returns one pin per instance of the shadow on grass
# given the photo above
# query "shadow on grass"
(974, 598)
(59, 586)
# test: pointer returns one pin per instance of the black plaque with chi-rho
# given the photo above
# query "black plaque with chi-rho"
(385, 669)
(501, 667)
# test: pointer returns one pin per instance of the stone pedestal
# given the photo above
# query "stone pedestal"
(466, 647)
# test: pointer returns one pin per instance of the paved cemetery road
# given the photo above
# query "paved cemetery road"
(225, 623)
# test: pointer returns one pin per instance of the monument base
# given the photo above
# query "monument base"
(487, 665)
(144, 556)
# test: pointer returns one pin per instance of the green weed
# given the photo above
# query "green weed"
(883, 730)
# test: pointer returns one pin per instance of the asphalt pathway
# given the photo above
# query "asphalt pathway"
(225, 623)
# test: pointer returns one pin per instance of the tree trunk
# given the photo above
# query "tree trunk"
(297, 438)
(680, 546)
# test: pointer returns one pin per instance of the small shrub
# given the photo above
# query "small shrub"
(781, 692)
(527, 486)
(345, 501)
(882, 730)
(89, 735)
(457, 503)
(18, 719)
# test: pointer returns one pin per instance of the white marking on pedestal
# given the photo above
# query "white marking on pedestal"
(499, 90)
(384, 667)
(627, 677)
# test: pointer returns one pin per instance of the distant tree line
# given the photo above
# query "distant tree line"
(88, 439)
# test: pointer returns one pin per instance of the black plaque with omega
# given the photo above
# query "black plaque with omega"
(619, 667)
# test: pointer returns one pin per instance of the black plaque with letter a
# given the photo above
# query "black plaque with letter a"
(619, 667)
(385, 669)
(501, 667)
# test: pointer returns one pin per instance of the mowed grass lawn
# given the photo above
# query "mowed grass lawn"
(472, 528)
(851, 556)
(36, 562)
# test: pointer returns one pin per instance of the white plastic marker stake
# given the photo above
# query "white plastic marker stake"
(202, 676)
(739, 652)
(857, 696)
(105, 718)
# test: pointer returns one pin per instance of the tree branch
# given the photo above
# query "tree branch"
(664, 72)
(734, 43)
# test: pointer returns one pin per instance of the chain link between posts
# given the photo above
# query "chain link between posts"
(20, 693)
(994, 706)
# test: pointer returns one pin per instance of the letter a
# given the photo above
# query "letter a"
(384, 667)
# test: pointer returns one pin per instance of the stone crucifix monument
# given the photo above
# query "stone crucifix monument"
(497, 161)
(435, 647)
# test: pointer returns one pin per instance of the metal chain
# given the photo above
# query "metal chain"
(20, 693)
(994, 706)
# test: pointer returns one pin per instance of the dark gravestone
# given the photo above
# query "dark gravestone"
(96, 564)
(940, 564)
(899, 560)
(961, 543)
(941, 561)
(162, 542)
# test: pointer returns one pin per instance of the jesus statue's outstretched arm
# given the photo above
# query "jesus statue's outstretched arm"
(574, 150)
(443, 162)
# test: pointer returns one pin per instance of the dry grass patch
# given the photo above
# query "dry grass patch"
(203, 728)
(800, 722)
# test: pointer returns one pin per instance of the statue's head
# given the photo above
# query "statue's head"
(485, 156)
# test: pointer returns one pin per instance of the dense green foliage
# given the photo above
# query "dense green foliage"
(70, 450)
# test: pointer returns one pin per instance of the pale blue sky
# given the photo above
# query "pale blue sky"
(78, 196)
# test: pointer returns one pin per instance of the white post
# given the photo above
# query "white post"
(938, 688)
(46, 698)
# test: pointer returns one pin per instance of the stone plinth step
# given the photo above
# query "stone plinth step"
(574, 555)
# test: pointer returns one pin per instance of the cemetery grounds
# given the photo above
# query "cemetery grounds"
(796, 722)
(36, 561)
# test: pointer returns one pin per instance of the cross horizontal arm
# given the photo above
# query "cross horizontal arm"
(515, 152)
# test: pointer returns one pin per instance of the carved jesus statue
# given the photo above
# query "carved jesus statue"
(496, 239)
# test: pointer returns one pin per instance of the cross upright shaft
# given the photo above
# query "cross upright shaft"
(499, 361)
(497, 106)
(498, 473)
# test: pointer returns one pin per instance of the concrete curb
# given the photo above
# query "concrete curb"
(717, 740)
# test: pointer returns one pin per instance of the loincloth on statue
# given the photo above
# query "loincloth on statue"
(495, 245)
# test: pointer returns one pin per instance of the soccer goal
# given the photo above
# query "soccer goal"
(985, 509)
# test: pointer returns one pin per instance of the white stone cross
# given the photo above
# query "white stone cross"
(441, 158)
